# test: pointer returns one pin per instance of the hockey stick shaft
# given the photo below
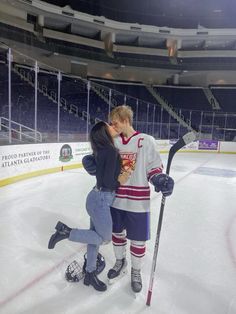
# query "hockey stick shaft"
(186, 139)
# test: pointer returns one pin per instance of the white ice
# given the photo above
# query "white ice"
(196, 264)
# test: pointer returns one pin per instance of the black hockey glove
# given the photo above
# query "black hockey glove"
(89, 164)
(164, 183)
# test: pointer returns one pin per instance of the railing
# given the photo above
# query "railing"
(19, 132)
(170, 109)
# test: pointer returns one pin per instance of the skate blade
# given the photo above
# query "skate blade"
(113, 280)
(134, 294)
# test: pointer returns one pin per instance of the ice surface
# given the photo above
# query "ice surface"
(196, 265)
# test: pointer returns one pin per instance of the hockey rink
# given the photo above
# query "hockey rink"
(196, 264)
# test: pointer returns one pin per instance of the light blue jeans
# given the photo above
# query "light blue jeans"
(98, 207)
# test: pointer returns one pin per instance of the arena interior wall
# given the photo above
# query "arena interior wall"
(19, 162)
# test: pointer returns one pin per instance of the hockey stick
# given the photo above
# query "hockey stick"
(186, 139)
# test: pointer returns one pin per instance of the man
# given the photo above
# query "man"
(131, 207)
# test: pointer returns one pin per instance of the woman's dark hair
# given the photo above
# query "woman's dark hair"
(100, 137)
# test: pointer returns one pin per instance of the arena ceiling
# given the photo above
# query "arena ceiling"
(169, 13)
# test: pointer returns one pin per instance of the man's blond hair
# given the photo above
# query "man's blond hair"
(122, 113)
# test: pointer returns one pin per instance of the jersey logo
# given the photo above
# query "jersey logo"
(128, 161)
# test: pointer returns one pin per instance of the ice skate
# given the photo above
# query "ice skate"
(136, 281)
(118, 271)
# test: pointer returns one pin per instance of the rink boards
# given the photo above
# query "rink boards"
(19, 162)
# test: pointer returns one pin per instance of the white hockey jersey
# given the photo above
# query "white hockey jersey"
(140, 154)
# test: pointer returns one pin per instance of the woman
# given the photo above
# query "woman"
(108, 167)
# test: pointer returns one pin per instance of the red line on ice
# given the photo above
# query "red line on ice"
(34, 281)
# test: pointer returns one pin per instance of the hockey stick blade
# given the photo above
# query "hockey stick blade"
(189, 137)
(186, 139)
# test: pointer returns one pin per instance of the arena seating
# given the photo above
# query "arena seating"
(149, 116)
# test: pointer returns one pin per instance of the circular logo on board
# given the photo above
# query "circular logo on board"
(66, 153)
